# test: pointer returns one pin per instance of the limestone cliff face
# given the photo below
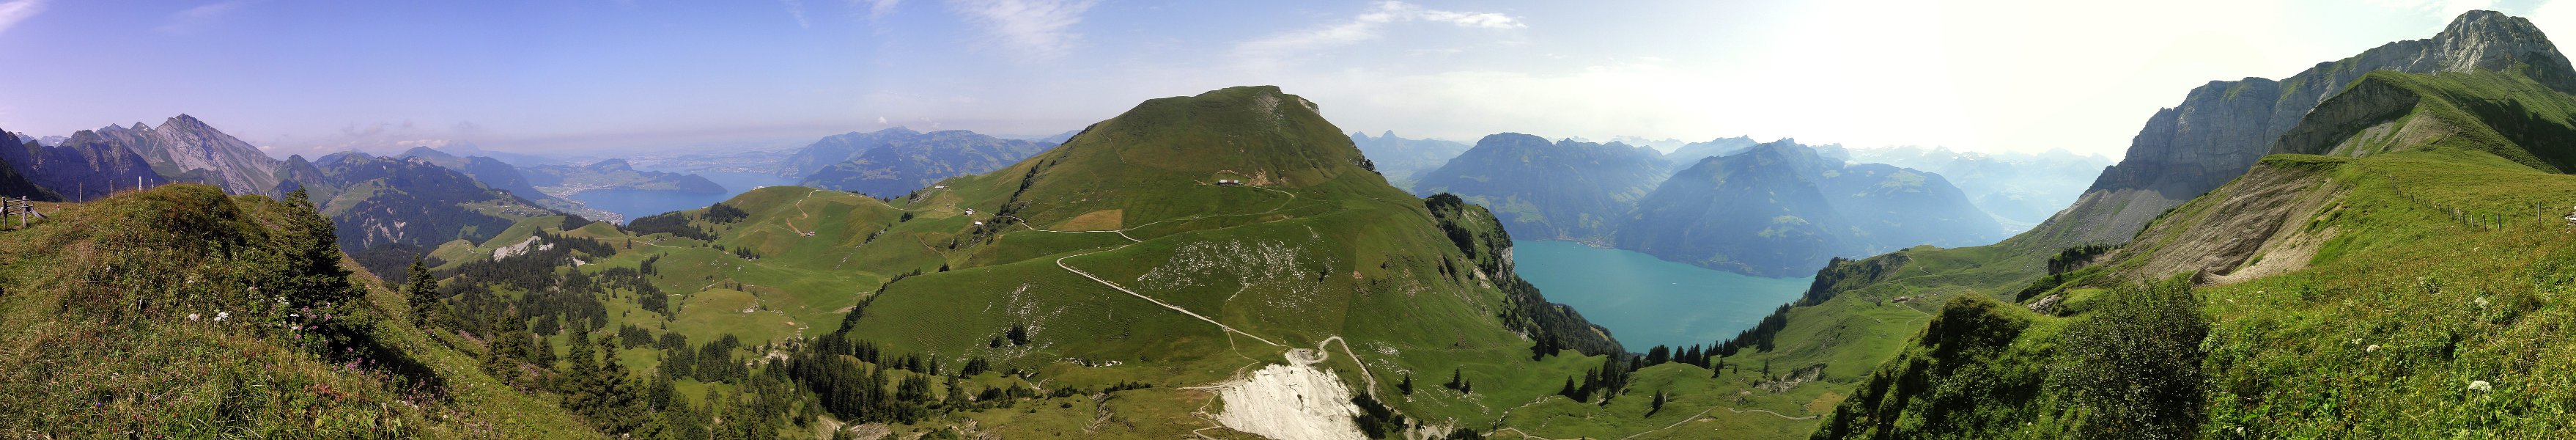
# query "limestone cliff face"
(187, 149)
(2222, 127)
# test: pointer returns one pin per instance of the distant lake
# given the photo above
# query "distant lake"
(1647, 301)
(635, 203)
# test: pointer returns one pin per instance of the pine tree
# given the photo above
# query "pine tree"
(613, 401)
(424, 293)
(313, 256)
(1407, 385)
(1656, 405)
(542, 354)
(1569, 390)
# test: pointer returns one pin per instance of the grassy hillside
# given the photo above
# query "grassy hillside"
(1110, 287)
(2400, 293)
(179, 312)
(2390, 315)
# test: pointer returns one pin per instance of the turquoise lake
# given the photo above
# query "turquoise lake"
(1647, 301)
(633, 203)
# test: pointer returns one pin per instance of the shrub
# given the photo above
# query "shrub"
(2134, 365)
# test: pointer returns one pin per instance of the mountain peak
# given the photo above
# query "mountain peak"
(182, 120)
(2490, 40)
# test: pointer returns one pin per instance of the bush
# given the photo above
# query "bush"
(2134, 364)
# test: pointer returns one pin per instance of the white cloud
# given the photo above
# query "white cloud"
(15, 11)
(796, 8)
(1367, 26)
(199, 17)
(1040, 29)
(878, 8)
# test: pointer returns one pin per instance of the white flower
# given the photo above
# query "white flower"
(192, 317)
(2480, 386)
(2373, 348)
(220, 316)
(2482, 302)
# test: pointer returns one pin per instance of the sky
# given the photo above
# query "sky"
(607, 77)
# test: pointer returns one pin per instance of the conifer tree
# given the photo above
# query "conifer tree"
(313, 256)
(424, 293)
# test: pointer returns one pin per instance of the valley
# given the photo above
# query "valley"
(2377, 246)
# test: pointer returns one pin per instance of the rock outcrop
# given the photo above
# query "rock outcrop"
(2222, 127)
(186, 149)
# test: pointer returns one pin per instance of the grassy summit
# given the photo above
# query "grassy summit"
(181, 312)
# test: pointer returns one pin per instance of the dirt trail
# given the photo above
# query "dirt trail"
(1059, 262)
(800, 214)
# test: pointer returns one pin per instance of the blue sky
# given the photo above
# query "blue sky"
(602, 76)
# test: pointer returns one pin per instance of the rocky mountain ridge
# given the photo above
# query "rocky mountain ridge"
(2222, 127)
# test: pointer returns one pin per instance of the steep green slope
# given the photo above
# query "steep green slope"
(179, 312)
(2406, 298)
(2395, 294)
(2506, 115)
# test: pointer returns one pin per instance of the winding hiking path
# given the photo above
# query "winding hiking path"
(1059, 262)
(801, 214)
(1122, 233)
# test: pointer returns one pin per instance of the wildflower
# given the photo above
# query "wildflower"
(2481, 386)
(2481, 301)
(192, 317)
(220, 316)
(2373, 348)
